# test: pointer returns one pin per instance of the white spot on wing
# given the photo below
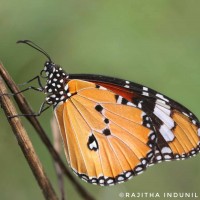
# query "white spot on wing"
(194, 122)
(159, 157)
(102, 88)
(164, 116)
(130, 104)
(166, 150)
(145, 89)
(140, 104)
(153, 137)
(185, 114)
(199, 132)
(119, 100)
(120, 178)
(110, 181)
(161, 102)
(128, 174)
(145, 93)
(166, 133)
(93, 145)
(138, 169)
(167, 157)
(162, 97)
(144, 162)
(148, 125)
(127, 86)
(164, 109)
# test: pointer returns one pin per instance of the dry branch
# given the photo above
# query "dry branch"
(25, 108)
(26, 145)
(58, 148)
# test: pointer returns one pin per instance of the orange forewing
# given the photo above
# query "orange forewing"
(118, 152)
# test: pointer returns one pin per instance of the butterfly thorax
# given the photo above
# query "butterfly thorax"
(56, 85)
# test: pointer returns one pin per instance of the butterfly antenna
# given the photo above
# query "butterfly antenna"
(35, 46)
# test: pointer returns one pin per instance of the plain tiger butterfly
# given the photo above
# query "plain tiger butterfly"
(113, 129)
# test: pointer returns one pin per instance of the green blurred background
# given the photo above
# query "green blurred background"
(156, 43)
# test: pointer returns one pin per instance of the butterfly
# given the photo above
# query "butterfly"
(113, 129)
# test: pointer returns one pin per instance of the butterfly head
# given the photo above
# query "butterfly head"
(49, 67)
(56, 84)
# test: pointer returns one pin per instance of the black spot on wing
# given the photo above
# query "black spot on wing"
(92, 143)
(136, 101)
(106, 120)
(98, 108)
(116, 97)
(124, 101)
(106, 132)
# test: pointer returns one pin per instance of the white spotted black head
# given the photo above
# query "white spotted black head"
(49, 67)
(56, 84)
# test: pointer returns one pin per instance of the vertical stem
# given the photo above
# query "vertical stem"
(26, 145)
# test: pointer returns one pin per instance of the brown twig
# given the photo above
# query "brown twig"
(25, 108)
(57, 145)
(26, 145)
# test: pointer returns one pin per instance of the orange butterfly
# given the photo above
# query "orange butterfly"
(113, 129)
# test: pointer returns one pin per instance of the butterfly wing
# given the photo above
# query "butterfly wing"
(177, 128)
(106, 141)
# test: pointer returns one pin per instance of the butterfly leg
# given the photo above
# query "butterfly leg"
(43, 107)
(38, 80)
(40, 89)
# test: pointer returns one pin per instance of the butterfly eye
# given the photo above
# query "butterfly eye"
(48, 66)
